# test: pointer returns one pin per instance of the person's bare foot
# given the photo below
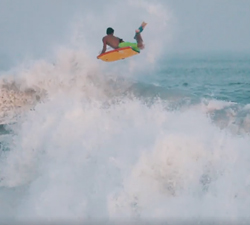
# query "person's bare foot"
(139, 30)
(142, 25)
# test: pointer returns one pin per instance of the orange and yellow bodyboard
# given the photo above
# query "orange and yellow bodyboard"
(117, 54)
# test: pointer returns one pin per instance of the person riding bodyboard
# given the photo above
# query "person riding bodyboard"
(115, 42)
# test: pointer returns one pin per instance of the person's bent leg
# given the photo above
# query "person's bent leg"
(140, 29)
(139, 41)
(138, 37)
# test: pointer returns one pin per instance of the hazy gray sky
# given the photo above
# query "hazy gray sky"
(212, 25)
(34, 27)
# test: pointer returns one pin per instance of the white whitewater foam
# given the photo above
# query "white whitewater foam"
(126, 161)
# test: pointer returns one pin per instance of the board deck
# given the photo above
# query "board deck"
(117, 54)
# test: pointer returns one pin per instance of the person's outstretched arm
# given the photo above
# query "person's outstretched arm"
(104, 45)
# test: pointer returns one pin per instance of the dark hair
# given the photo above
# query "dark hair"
(110, 30)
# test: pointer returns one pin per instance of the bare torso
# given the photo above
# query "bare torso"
(112, 41)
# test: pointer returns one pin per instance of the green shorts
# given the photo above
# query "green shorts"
(129, 44)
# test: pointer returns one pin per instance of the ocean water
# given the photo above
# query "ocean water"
(156, 138)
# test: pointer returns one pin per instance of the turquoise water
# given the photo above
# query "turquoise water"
(218, 77)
